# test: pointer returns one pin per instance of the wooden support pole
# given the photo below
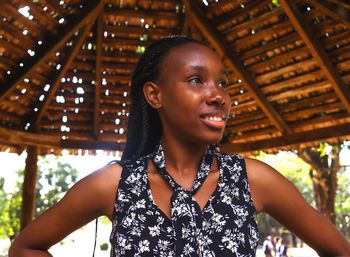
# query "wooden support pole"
(29, 185)
(324, 178)
(99, 55)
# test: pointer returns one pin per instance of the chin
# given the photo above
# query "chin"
(204, 137)
(212, 140)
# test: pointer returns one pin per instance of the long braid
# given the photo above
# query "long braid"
(144, 127)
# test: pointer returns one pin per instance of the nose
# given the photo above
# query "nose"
(216, 97)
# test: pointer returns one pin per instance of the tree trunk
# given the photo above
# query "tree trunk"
(324, 178)
(28, 190)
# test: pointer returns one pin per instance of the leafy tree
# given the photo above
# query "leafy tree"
(324, 174)
(14, 212)
(342, 206)
(10, 211)
(54, 179)
(3, 208)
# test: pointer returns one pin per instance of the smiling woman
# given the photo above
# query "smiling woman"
(189, 95)
(174, 193)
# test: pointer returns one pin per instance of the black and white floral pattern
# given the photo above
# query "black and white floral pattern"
(186, 215)
(228, 227)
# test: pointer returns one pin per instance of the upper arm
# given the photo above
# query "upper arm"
(275, 195)
(89, 198)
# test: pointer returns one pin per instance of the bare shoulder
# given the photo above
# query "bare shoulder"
(89, 198)
(274, 194)
(262, 179)
(101, 187)
(107, 176)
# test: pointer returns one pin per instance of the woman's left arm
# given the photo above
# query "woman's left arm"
(274, 194)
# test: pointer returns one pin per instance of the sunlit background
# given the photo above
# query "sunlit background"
(81, 242)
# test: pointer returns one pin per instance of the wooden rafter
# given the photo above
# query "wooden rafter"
(12, 137)
(12, 49)
(317, 51)
(7, 8)
(181, 16)
(45, 50)
(186, 24)
(99, 39)
(237, 12)
(57, 79)
(47, 21)
(223, 50)
(55, 6)
(139, 30)
(217, 5)
(289, 140)
(344, 3)
(193, 30)
(149, 14)
(333, 10)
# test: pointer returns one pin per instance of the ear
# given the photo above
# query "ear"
(152, 94)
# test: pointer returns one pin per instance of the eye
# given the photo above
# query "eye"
(195, 80)
(223, 83)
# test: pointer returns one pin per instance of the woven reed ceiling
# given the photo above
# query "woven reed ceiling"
(65, 68)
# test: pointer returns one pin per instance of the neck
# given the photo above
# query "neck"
(183, 159)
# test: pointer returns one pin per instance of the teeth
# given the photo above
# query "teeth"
(215, 118)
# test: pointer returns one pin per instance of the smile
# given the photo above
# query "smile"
(214, 121)
(216, 118)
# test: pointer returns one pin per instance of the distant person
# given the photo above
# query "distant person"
(281, 248)
(276, 241)
(268, 247)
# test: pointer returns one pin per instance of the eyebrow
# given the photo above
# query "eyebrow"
(201, 69)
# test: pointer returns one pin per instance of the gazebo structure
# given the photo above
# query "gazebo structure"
(65, 69)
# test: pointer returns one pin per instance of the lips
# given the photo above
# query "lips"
(214, 120)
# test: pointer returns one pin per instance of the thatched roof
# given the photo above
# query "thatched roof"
(65, 68)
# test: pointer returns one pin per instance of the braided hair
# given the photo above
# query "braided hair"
(144, 127)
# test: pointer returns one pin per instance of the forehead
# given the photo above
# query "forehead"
(191, 54)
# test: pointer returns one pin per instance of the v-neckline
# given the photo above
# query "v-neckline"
(209, 201)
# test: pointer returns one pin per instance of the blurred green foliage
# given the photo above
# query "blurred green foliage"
(53, 180)
(297, 171)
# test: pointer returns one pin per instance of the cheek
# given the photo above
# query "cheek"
(191, 101)
(186, 99)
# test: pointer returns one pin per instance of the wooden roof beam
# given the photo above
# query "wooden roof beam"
(9, 9)
(333, 10)
(57, 80)
(145, 14)
(317, 51)
(226, 17)
(344, 3)
(54, 5)
(223, 50)
(186, 24)
(140, 30)
(98, 72)
(46, 49)
(12, 137)
(216, 6)
(289, 140)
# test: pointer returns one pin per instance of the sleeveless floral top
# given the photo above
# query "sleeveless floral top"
(228, 227)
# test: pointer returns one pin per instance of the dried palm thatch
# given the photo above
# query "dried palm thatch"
(65, 68)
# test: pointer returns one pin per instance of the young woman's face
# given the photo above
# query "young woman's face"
(195, 105)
